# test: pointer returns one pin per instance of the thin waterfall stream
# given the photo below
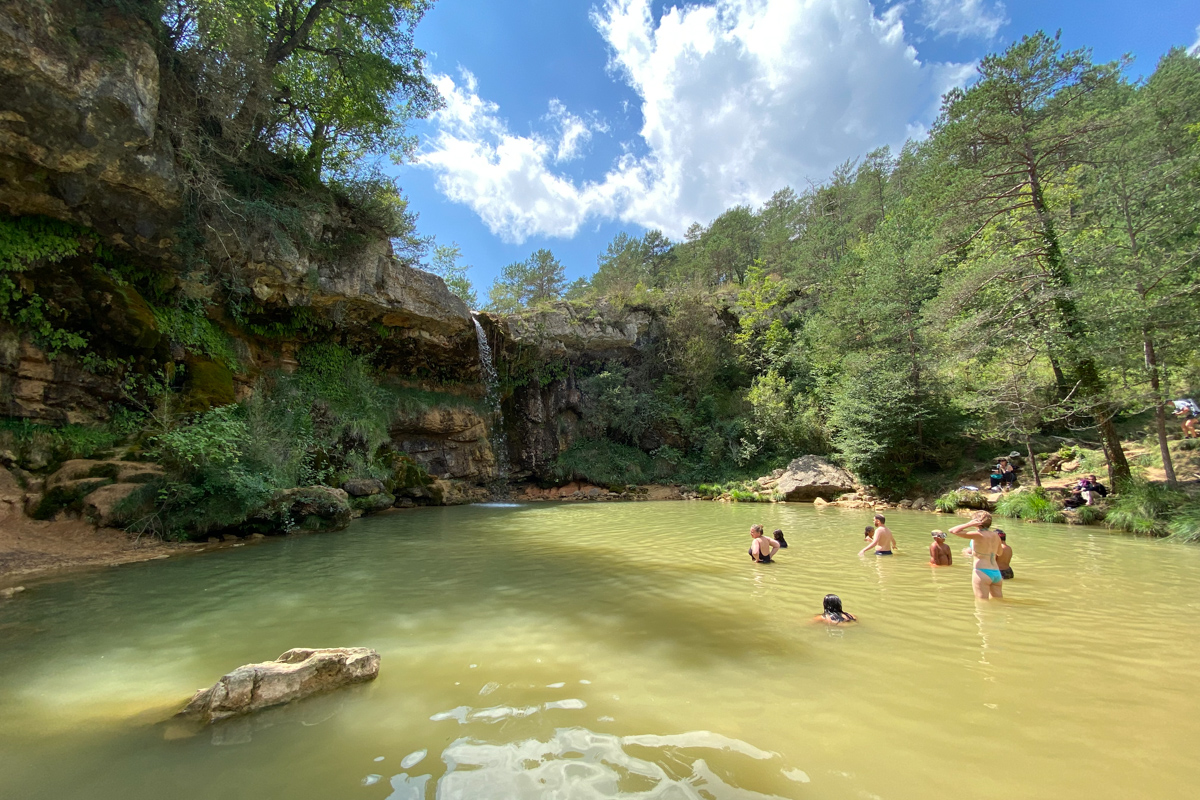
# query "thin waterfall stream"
(491, 382)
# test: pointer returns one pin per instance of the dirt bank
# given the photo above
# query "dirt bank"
(30, 549)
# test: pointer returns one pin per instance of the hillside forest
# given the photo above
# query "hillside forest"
(1024, 274)
(1028, 268)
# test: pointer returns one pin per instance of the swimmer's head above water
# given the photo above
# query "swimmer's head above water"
(833, 609)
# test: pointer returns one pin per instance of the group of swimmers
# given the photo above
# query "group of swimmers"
(988, 548)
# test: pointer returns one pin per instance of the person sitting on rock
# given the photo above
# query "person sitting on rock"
(762, 547)
(1008, 475)
(939, 551)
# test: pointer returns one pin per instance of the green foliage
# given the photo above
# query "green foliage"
(215, 439)
(39, 445)
(1184, 525)
(947, 503)
(1144, 507)
(1090, 515)
(188, 326)
(444, 263)
(538, 279)
(324, 83)
(605, 463)
(1029, 504)
(25, 244)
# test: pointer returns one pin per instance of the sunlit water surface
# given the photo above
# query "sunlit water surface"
(618, 650)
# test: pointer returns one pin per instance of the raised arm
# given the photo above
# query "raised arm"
(961, 530)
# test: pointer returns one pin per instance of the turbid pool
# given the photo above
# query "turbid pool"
(618, 650)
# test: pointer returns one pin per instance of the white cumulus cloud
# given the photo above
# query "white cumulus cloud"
(738, 99)
(1195, 48)
(963, 18)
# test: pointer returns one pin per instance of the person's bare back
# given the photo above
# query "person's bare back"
(883, 541)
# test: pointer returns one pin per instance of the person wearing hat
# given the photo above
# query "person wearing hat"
(939, 551)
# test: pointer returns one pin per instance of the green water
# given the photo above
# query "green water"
(618, 650)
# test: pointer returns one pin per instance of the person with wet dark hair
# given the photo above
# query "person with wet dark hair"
(1004, 557)
(833, 614)
(868, 533)
(778, 536)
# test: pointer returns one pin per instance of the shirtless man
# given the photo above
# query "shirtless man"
(939, 551)
(761, 547)
(1004, 557)
(882, 541)
(985, 545)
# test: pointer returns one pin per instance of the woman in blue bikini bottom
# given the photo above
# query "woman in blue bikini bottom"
(985, 544)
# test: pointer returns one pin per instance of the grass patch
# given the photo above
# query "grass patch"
(1029, 504)
(37, 446)
(1144, 507)
(1090, 515)
(947, 503)
(1184, 525)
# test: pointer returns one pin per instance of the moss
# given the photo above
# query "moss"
(208, 384)
(373, 503)
(110, 471)
(406, 473)
(67, 496)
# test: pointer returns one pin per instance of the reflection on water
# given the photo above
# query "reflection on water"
(579, 763)
(617, 650)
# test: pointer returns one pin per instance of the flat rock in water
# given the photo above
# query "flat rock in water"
(810, 477)
(296, 674)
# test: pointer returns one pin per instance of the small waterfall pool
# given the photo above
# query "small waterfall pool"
(618, 650)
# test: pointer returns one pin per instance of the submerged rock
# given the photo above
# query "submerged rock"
(298, 673)
(810, 477)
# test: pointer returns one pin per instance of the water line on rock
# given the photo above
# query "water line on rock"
(491, 382)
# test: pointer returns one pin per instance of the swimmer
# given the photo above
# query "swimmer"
(868, 533)
(761, 547)
(833, 614)
(939, 551)
(778, 534)
(986, 579)
(1004, 557)
(882, 539)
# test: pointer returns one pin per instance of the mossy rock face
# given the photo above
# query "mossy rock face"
(406, 474)
(371, 504)
(207, 383)
(67, 496)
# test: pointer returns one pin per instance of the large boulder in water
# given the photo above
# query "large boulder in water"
(312, 508)
(810, 477)
(296, 674)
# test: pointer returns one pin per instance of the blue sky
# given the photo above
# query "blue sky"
(568, 121)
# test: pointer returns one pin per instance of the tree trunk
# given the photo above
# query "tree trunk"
(1114, 454)
(1037, 479)
(1160, 412)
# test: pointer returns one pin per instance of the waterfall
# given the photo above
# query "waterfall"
(491, 382)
